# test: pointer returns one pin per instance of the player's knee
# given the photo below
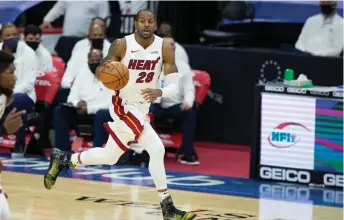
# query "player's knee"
(160, 150)
(112, 155)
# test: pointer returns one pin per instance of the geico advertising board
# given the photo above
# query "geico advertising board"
(287, 131)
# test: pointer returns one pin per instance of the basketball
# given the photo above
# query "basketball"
(114, 75)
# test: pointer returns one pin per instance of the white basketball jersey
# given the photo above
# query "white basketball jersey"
(144, 65)
(3, 100)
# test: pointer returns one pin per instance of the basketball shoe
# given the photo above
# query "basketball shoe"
(59, 161)
(170, 212)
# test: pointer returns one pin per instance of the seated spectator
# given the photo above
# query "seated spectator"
(77, 15)
(26, 66)
(79, 58)
(89, 41)
(181, 107)
(32, 37)
(166, 30)
(10, 119)
(25, 62)
(87, 96)
(322, 34)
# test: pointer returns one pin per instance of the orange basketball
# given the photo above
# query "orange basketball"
(114, 75)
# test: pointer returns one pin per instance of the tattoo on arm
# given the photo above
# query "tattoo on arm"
(112, 52)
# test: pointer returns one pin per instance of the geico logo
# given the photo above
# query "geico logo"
(338, 94)
(274, 88)
(332, 196)
(285, 174)
(320, 93)
(284, 192)
(333, 179)
(297, 90)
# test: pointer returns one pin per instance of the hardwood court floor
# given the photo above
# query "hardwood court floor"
(76, 199)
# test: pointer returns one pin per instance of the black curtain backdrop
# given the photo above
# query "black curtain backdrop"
(189, 18)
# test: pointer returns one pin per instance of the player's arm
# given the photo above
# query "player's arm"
(168, 57)
(170, 70)
(116, 52)
(171, 76)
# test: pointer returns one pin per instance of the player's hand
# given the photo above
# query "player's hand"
(13, 121)
(81, 107)
(185, 106)
(151, 95)
(46, 24)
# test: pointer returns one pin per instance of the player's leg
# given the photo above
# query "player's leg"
(60, 161)
(152, 143)
(4, 208)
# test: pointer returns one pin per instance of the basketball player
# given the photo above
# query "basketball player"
(10, 120)
(145, 54)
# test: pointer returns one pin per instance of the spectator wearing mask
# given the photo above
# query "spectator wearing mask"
(77, 15)
(322, 34)
(32, 37)
(166, 30)
(181, 107)
(97, 40)
(26, 68)
(88, 42)
(86, 97)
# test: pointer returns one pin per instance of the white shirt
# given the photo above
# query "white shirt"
(131, 7)
(87, 88)
(85, 43)
(77, 60)
(26, 70)
(322, 37)
(180, 53)
(186, 91)
(78, 15)
(44, 59)
(3, 100)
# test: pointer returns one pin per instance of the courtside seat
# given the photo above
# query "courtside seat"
(59, 65)
(168, 129)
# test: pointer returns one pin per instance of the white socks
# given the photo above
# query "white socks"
(74, 159)
(163, 195)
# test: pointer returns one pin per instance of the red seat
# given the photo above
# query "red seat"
(202, 82)
(8, 141)
(47, 85)
(59, 65)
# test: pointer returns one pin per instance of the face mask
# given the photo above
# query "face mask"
(97, 44)
(12, 43)
(327, 9)
(93, 67)
(34, 45)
